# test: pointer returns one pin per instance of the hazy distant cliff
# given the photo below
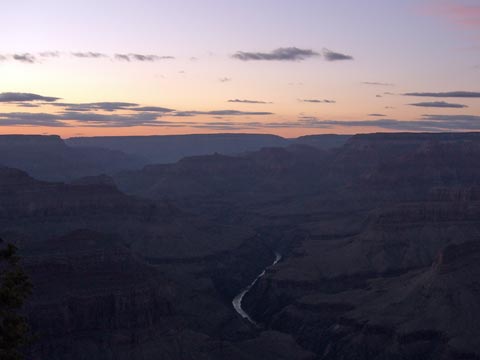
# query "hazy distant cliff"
(49, 158)
(171, 148)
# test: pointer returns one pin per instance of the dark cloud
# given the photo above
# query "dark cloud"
(453, 94)
(89, 55)
(280, 54)
(439, 104)
(140, 57)
(236, 112)
(186, 113)
(432, 123)
(221, 113)
(102, 120)
(374, 83)
(245, 101)
(153, 108)
(80, 119)
(110, 107)
(105, 106)
(25, 58)
(457, 118)
(318, 101)
(335, 56)
(21, 97)
(27, 105)
(377, 115)
(30, 119)
(225, 79)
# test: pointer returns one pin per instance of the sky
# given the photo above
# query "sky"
(153, 67)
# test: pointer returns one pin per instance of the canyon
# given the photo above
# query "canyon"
(379, 236)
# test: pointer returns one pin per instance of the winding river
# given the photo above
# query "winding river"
(237, 301)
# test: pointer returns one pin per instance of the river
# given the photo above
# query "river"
(237, 301)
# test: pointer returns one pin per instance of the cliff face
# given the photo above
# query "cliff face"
(425, 314)
(367, 281)
(49, 158)
(267, 173)
(88, 283)
(118, 277)
(37, 211)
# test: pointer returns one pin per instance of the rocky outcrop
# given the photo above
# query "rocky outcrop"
(88, 283)
(428, 314)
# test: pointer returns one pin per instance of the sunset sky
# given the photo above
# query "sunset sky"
(124, 67)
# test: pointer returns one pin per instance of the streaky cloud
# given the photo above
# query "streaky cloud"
(374, 83)
(280, 54)
(27, 105)
(8, 97)
(469, 118)
(68, 119)
(221, 113)
(335, 56)
(89, 55)
(318, 101)
(439, 104)
(451, 94)
(153, 108)
(141, 57)
(237, 112)
(110, 107)
(30, 119)
(49, 54)
(122, 57)
(246, 101)
(25, 58)
(431, 123)
(105, 106)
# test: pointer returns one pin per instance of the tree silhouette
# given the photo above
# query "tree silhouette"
(15, 287)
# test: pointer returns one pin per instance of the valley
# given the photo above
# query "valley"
(378, 236)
